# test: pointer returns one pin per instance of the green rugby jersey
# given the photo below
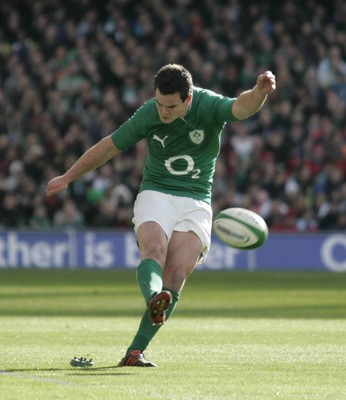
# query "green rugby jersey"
(181, 155)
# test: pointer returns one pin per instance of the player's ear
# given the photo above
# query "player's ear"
(188, 100)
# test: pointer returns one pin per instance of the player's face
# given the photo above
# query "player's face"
(170, 106)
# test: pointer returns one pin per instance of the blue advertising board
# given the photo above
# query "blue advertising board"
(102, 250)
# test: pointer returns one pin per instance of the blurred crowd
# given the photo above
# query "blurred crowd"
(72, 71)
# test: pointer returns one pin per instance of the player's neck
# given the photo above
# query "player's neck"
(187, 111)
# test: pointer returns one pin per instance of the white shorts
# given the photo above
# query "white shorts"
(175, 213)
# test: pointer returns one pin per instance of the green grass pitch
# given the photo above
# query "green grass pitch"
(234, 335)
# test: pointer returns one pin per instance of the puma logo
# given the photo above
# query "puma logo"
(162, 141)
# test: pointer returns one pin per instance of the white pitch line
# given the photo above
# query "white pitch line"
(40, 379)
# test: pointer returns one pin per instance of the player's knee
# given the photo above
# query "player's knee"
(175, 278)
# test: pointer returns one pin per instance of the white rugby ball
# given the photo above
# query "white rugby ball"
(240, 228)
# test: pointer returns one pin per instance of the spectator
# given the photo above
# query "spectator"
(39, 219)
(69, 217)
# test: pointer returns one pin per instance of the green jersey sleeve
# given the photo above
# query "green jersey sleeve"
(133, 130)
(219, 107)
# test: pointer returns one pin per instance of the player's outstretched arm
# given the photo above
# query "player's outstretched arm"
(251, 101)
(93, 158)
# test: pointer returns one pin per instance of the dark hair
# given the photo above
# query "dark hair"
(174, 78)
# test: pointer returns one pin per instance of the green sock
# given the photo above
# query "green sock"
(146, 330)
(149, 278)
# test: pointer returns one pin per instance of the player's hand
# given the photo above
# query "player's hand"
(266, 82)
(56, 185)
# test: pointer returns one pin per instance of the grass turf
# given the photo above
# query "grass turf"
(234, 335)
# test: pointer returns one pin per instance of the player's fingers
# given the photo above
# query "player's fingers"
(53, 188)
(50, 192)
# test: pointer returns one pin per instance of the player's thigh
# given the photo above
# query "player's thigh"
(183, 252)
(153, 206)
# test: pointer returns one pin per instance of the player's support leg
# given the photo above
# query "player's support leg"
(146, 331)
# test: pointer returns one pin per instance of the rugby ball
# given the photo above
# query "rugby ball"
(240, 228)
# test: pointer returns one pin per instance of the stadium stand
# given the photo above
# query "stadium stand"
(73, 71)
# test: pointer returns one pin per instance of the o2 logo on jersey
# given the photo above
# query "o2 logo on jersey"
(197, 136)
(189, 166)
